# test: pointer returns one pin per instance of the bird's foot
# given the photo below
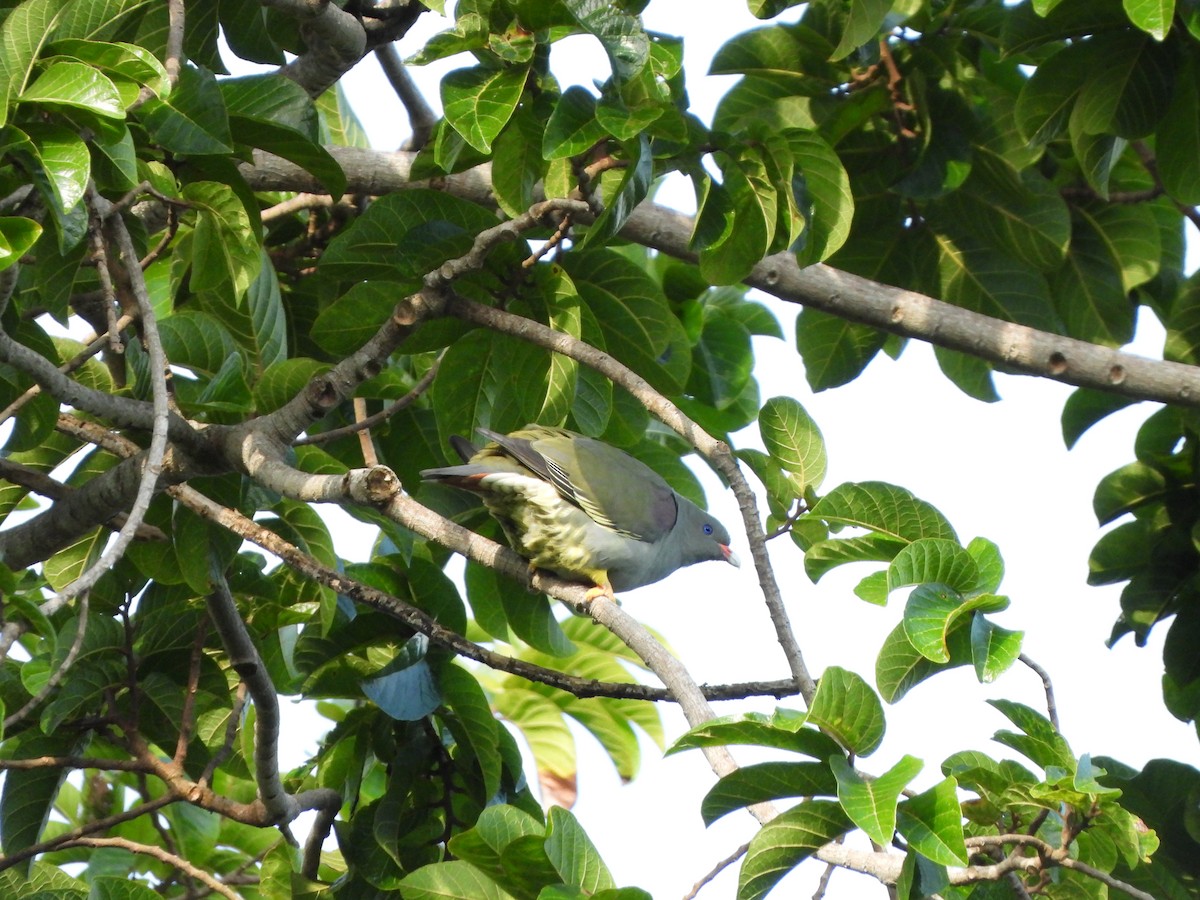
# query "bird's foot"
(600, 590)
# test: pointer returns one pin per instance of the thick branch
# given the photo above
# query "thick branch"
(244, 658)
(335, 42)
(907, 313)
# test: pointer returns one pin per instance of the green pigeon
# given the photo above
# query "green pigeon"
(584, 510)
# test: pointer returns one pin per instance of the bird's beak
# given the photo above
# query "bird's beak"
(730, 556)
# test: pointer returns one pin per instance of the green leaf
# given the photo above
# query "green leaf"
(847, 708)
(1131, 235)
(1152, 16)
(621, 34)
(462, 694)
(933, 611)
(883, 508)
(192, 119)
(73, 560)
(931, 822)
(933, 560)
(971, 375)
(517, 162)
(783, 730)
(196, 341)
(1128, 95)
(480, 101)
(632, 189)
(572, 127)
(723, 360)
(23, 32)
(78, 86)
(1084, 408)
(17, 236)
(226, 256)
(766, 781)
(989, 563)
(348, 322)
(835, 351)
(540, 721)
(405, 688)
(1017, 211)
(1127, 489)
(1039, 741)
(786, 841)
(823, 194)
(863, 24)
(986, 281)
(1177, 144)
(127, 61)
(573, 854)
(28, 795)
(793, 440)
(500, 386)
(454, 880)
(745, 206)
(900, 666)
(1088, 290)
(993, 649)
(60, 161)
(404, 235)
(871, 802)
(826, 555)
(1044, 105)
(636, 323)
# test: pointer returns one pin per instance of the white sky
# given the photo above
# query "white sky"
(998, 470)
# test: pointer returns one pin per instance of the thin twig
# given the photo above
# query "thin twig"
(161, 855)
(383, 415)
(152, 466)
(174, 54)
(1051, 706)
(301, 202)
(716, 870)
(58, 674)
(98, 825)
(369, 456)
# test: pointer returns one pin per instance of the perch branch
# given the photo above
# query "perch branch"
(667, 412)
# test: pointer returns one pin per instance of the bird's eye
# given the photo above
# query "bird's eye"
(707, 528)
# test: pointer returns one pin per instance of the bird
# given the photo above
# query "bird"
(584, 510)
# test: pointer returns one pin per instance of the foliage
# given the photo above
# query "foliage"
(1032, 163)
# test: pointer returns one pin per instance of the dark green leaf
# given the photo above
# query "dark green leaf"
(767, 781)
(883, 508)
(787, 840)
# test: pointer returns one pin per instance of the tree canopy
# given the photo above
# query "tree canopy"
(220, 308)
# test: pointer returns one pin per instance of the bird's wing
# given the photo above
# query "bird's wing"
(617, 492)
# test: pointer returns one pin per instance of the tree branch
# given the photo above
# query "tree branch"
(160, 854)
(421, 117)
(334, 42)
(906, 313)
(1048, 685)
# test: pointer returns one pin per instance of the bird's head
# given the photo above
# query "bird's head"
(703, 537)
